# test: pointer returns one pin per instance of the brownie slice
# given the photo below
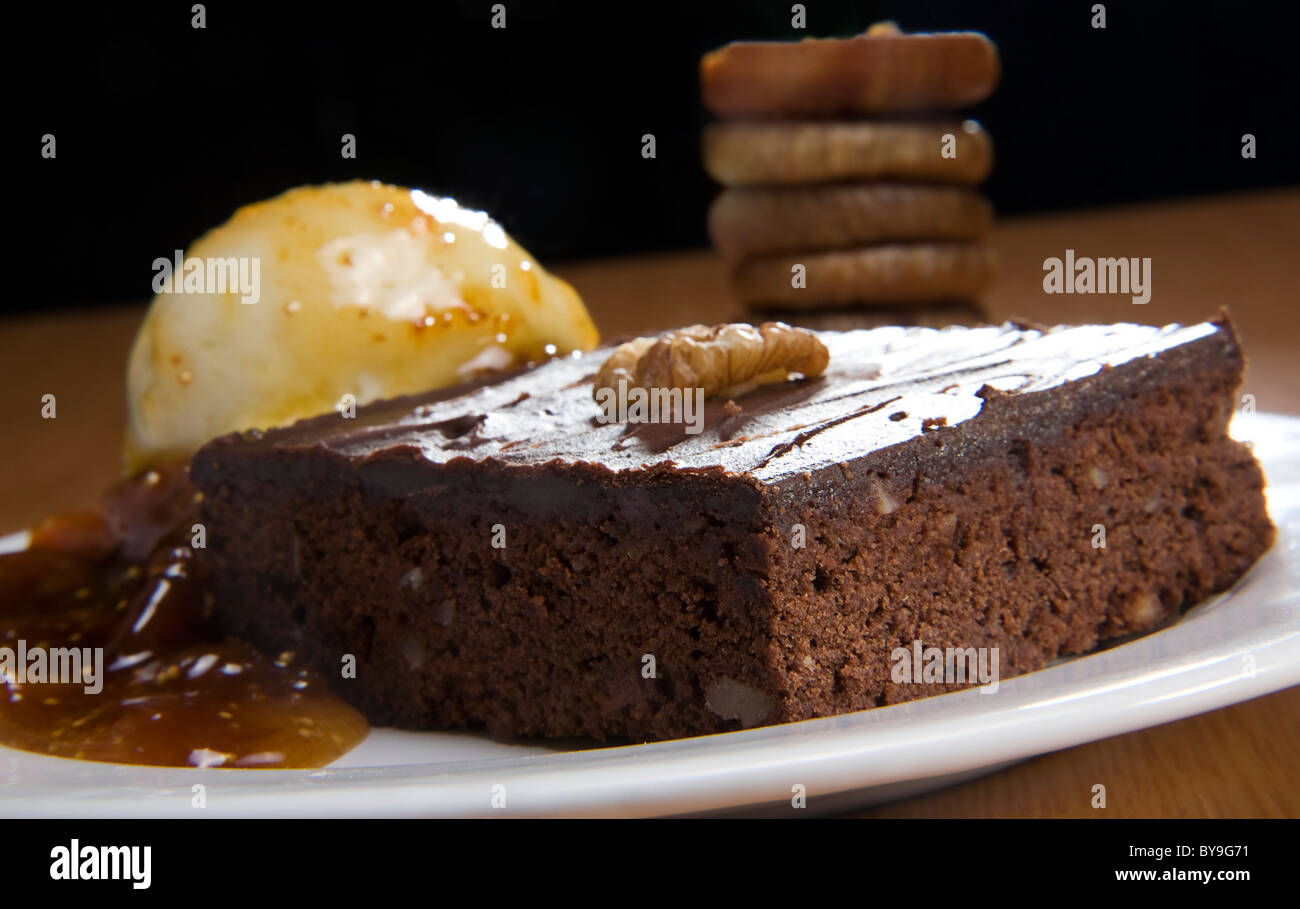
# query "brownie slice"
(496, 556)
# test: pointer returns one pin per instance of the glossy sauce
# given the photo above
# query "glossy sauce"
(127, 578)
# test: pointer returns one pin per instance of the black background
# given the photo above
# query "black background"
(333, 862)
(163, 130)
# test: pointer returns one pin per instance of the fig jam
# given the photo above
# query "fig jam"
(107, 653)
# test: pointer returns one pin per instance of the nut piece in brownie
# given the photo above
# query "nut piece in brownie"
(498, 556)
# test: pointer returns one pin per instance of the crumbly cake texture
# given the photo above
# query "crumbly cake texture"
(946, 486)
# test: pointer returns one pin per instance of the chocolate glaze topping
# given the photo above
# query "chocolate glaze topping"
(883, 387)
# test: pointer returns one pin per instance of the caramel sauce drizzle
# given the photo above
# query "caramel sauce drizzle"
(126, 579)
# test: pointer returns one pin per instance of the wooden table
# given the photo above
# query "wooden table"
(1237, 251)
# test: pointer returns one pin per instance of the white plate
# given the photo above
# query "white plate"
(1233, 648)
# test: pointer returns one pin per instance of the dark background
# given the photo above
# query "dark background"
(163, 130)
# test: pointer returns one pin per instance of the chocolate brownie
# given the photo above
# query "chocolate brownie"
(496, 556)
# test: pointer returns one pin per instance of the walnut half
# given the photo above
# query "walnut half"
(723, 360)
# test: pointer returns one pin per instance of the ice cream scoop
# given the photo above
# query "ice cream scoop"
(329, 296)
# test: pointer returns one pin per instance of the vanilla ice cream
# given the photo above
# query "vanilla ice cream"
(355, 289)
